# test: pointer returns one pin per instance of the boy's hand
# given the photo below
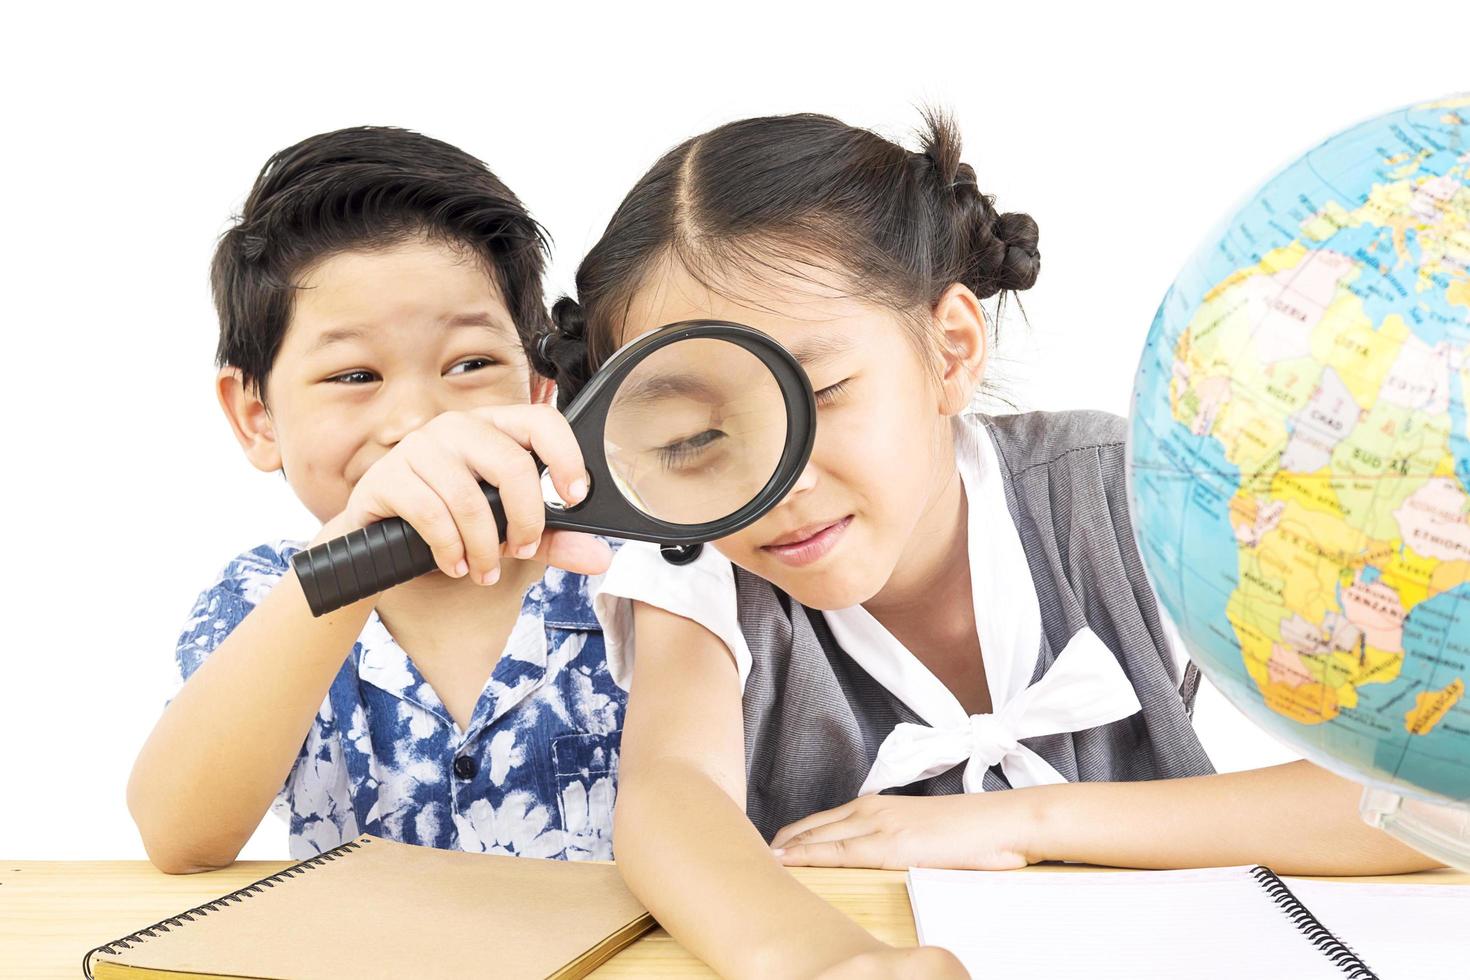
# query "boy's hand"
(978, 831)
(429, 479)
(923, 963)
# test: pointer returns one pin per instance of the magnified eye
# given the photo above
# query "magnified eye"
(684, 452)
(831, 393)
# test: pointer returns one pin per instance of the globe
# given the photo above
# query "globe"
(1299, 463)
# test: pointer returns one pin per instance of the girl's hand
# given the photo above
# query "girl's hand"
(979, 831)
(429, 479)
(899, 964)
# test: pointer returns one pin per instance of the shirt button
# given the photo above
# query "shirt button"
(465, 767)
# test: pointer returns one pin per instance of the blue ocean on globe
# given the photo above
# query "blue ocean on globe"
(1299, 463)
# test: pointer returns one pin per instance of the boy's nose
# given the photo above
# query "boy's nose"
(411, 409)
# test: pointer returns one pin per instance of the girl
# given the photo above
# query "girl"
(947, 605)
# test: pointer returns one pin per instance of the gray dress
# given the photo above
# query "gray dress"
(814, 719)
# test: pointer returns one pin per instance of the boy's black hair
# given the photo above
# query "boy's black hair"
(362, 188)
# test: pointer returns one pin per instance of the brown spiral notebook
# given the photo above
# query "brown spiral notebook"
(378, 908)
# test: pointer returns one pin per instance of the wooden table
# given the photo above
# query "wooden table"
(52, 912)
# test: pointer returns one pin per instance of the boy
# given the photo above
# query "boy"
(376, 299)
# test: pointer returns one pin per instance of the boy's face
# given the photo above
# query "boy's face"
(379, 343)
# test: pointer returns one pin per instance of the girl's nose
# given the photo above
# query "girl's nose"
(806, 481)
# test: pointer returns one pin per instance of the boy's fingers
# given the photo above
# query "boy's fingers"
(543, 430)
(414, 501)
(575, 551)
(455, 484)
(504, 464)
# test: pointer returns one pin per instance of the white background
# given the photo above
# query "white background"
(135, 133)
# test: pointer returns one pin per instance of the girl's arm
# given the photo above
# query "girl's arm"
(227, 741)
(683, 842)
(1295, 818)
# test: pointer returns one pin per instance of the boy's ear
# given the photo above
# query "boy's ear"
(543, 390)
(249, 419)
(962, 347)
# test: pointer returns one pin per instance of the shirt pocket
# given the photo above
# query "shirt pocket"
(586, 771)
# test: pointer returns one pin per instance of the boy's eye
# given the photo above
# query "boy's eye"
(367, 377)
(831, 393)
(353, 377)
(471, 364)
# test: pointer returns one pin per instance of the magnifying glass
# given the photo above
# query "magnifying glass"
(688, 433)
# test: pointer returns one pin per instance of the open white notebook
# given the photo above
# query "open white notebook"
(1213, 922)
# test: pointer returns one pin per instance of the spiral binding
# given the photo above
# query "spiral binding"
(233, 898)
(1308, 925)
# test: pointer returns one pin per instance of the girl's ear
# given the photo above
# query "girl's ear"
(962, 347)
(249, 419)
(543, 390)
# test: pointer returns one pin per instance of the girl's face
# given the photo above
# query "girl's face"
(883, 454)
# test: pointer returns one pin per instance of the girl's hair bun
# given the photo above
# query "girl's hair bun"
(989, 252)
(1022, 262)
(561, 352)
(569, 319)
(252, 245)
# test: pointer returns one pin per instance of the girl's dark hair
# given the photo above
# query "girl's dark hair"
(773, 192)
(364, 188)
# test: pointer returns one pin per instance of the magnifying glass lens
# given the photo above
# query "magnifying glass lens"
(695, 431)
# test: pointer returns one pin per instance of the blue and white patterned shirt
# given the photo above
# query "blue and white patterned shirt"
(534, 774)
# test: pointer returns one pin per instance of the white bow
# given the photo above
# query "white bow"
(1085, 687)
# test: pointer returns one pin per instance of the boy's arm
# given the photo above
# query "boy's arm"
(227, 742)
(219, 754)
(683, 842)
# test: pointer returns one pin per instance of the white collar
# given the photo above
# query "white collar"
(1084, 687)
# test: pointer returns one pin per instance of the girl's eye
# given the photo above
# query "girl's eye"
(679, 454)
(471, 364)
(831, 393)
(364, 377)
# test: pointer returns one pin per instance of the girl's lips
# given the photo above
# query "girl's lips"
(810, 548)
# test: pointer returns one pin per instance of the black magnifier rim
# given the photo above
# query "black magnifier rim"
(606, 511)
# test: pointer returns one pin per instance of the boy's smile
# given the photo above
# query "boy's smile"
(379, 343)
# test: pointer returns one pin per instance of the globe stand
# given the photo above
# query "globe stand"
(1440, 830)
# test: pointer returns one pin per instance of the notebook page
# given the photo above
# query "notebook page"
(1399, 930)
(1208, 923)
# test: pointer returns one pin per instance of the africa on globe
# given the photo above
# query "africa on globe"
(1299, 462)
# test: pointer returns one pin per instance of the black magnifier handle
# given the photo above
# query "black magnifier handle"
(364, 562)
